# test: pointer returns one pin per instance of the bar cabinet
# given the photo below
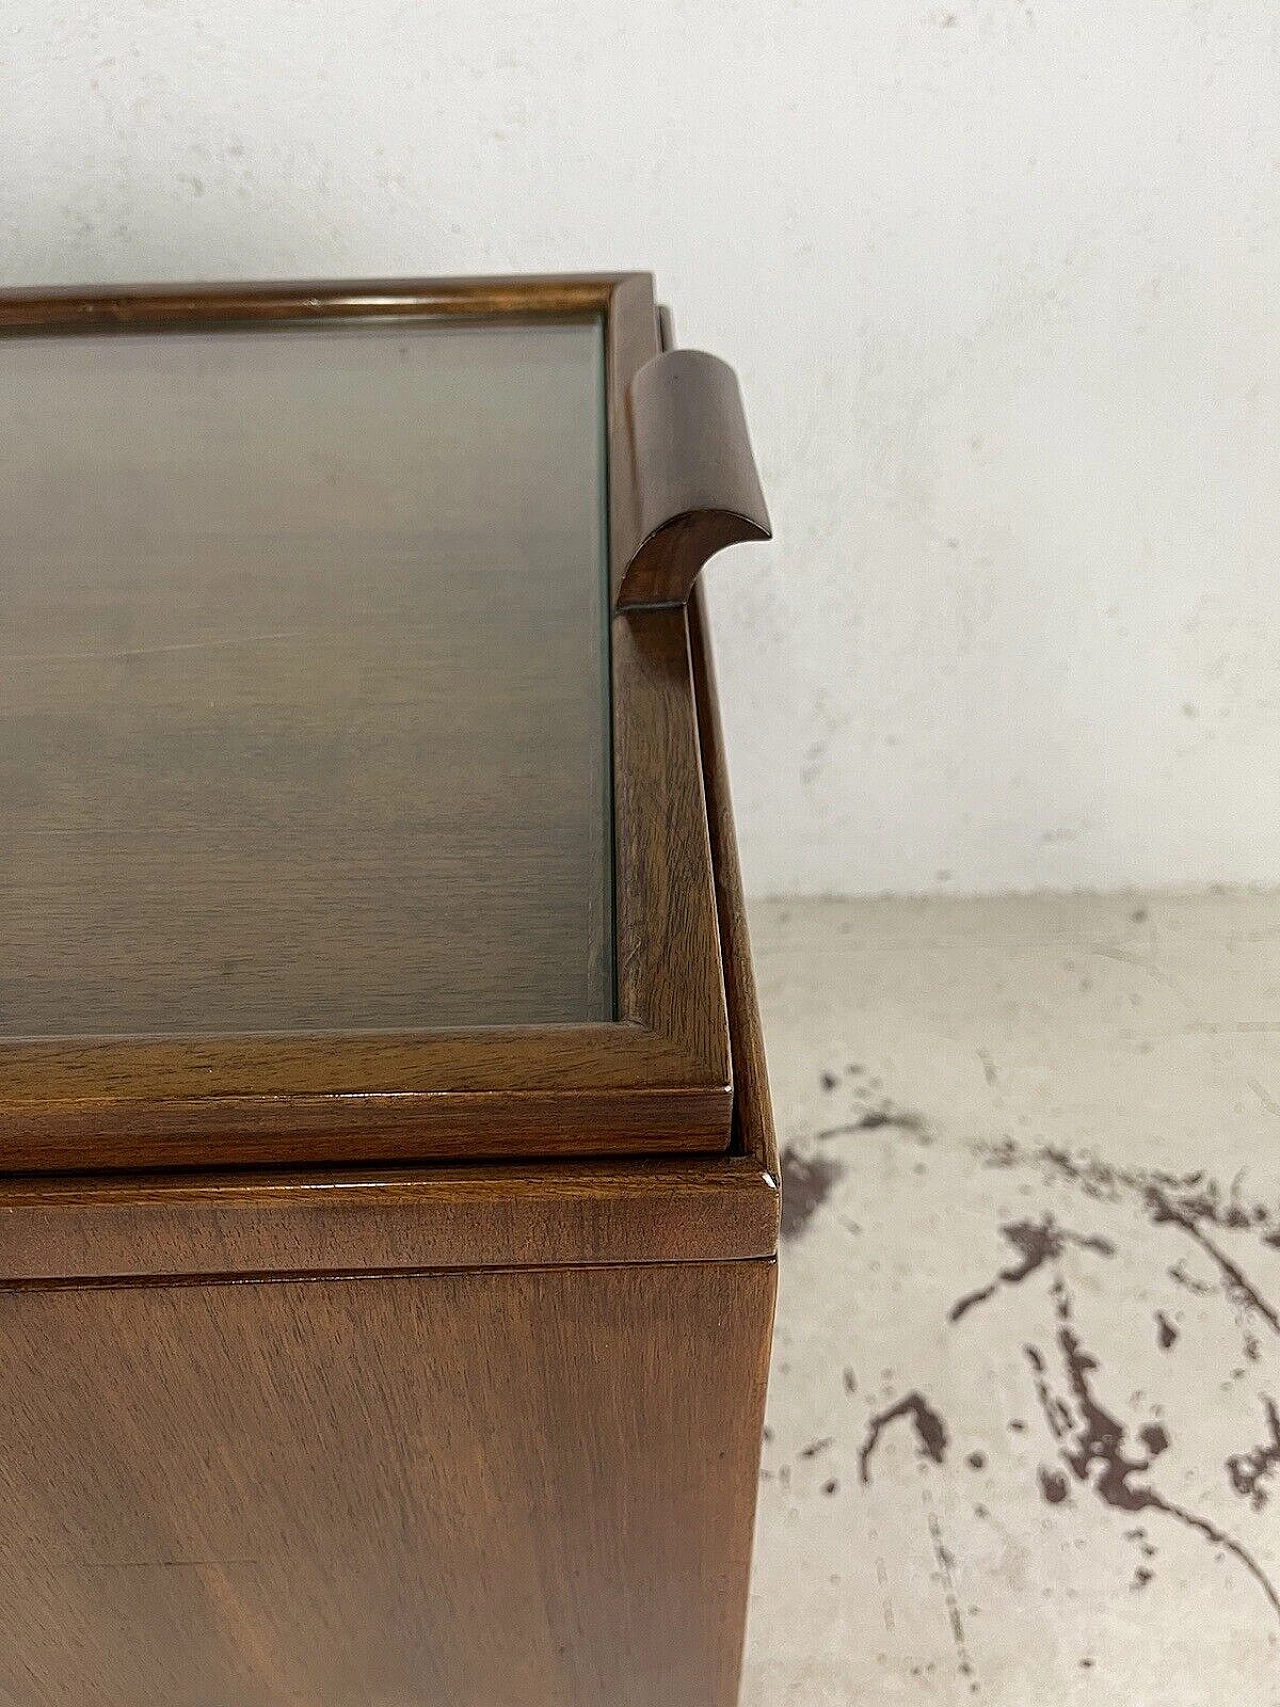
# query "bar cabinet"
(388, 1194)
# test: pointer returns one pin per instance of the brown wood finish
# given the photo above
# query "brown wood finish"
(658, 1078)
(384, 1218)
(139, 1226)
(697, 486)
(523, 1488)
(443, 1435)
(553, 296)
(753, 1110)
(660, 917)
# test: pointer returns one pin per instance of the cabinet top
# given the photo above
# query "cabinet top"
(343, 815)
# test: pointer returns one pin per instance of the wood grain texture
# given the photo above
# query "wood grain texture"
(459, 1435)
(754, 1134)
(631, 340)
(657, 1080)
(549, 296)
(140, 1226)
(521, 1489)
(696, 481)
(665, 907)
(443, 1216)
(669, 971)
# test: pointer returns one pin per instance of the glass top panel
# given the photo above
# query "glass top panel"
(304, 702)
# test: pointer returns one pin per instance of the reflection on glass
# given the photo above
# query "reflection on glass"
(303, 679)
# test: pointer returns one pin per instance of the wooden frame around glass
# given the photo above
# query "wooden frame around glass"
(657, 1078)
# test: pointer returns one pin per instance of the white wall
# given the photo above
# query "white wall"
(1003, 285)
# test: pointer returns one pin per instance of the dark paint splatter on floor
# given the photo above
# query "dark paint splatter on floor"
(876, 1120)
(931, 1431)
(944, 1560)
(1163, 1209)
(1180, 1277)
(1114, 1460)
(1197, 1194)
(1092, 1439)
(1248, 1471)
(1190, 1202)
(1053, 1486)
(1037, 1242)
(1155, 1438)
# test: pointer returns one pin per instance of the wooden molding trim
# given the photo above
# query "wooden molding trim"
(151, 308)
(697, 486)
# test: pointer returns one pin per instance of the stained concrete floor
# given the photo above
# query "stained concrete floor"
(1023, 1434)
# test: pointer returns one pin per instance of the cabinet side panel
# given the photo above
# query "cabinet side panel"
(524, 1488)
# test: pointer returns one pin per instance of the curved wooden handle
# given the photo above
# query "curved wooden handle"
(696, 480)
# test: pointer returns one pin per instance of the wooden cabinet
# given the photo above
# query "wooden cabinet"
(388, 1197)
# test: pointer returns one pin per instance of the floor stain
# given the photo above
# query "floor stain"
(1037, 1242)
(1163, 1209)
(817, 1447)
(1248, 1471)
(1053, 1486)
(1189, 1202)
(1180, 1277)
(1092, 1441)
(930, 1431)
(945, 1564)
(876, 1120)
(1072, 1363)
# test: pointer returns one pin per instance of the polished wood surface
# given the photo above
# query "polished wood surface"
(657, 1078)
(518, 1489)
(303, 680)
(138, 1226)
(754, 1135)
(670, 976)
(481, 1436)
(665, 915)
(380, 1218)
(697, 488)
(550, 296)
